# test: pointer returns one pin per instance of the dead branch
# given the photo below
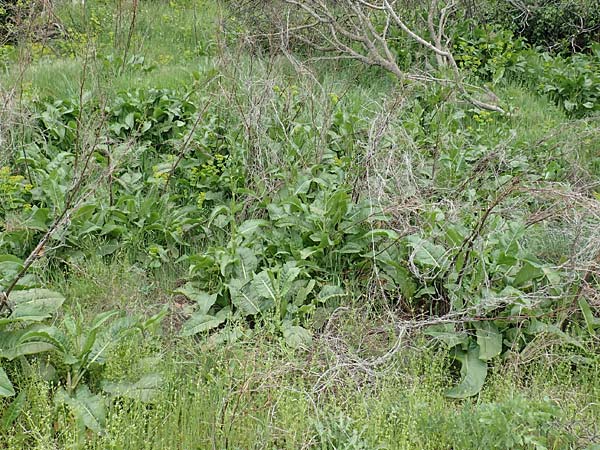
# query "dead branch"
(360, 30)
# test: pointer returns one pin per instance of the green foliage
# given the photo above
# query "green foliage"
(80, 352)
(18, 330)
(285, 199)
(487, 52)
(283, 263)
(339, 431)
(573, 82)
(557, 25)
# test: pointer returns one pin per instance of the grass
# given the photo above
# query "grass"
(255, 392)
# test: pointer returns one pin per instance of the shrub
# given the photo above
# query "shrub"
(557, 25)
(488, 51)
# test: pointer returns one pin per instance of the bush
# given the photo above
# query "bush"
(574, 82)
(5, 17)
(557, 25)
(487, 51)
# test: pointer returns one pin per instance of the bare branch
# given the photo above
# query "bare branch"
(346, 23)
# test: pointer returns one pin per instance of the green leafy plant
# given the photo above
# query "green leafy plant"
(284, 265)
(27, 309)
(495, 282)
(79, 354)
(573, 82)
(338, 431)
(562, 26)
(487, 52)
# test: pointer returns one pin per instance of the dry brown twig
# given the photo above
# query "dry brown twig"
(341, 26)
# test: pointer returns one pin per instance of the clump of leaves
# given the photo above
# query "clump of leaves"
(487, 52)
(573, 82)
(78, 353)
(289, 263)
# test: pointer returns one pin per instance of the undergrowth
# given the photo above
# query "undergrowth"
(203, 249)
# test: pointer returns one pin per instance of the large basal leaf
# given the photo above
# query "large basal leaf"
(447, 334)
(6, 387)
(526, 274)
(144, 390)
(337, 206)
(9, 267)
(204, 301)
(86, 407)
(263, 285)
(27, 341)
(297, 337)
(304, 291)
(473, 372)
(287, 275)
(489, 340)
(34, 304)
(48, 334)
(591, 321)
(329, 292)
(252, 226)
(199, 323)
(425, 253)
(11, 413)
(246, 263)
(244, 297)
(101, 341)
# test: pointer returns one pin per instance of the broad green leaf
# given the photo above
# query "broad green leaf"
(87, 408)
(401, 278)
(48, 334)
(264, 287)
(590, 321)
(288, 273)
(473, 372)
(246, 263)
(143, 390)
(380, 233)
(553, 276)
(9, 266)
(337, 206)
(199, 323)
(447, 334)
(13, 411)
(304, 292)
(23, 342)
(297, 337)
(6, 387)
(26, 348)
(129, 120)
(330, 291)
(426, 253)
(307, 252)
(526, 274)
(204, 301)
(251, 226)
(110, 335)
(225, 261)
(489, 340)
(244, 297)
(34, 304)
